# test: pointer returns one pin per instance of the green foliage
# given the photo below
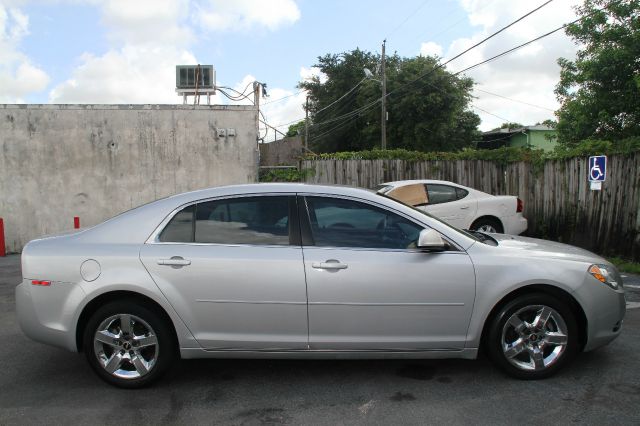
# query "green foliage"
(504, 155)
(508, 126)
(626, 265)
(430, 114)
(283, 175)
(296, 129)
(599, 91)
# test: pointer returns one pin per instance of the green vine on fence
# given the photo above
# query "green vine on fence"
(504, 155)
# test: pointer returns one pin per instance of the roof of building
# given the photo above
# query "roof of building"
(509, 131)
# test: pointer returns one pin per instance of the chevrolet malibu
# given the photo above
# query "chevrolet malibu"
(302, 271)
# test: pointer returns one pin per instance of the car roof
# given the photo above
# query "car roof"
(137, 224)
(409, 182)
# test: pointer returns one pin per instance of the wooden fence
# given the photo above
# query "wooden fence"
(558, 201)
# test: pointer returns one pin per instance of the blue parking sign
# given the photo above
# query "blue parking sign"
(598, 168)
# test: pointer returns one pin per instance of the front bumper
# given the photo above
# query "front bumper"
(48, 314)
(604, 308)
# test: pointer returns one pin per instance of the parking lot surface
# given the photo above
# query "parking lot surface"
(45, 385)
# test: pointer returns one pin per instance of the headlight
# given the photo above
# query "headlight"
(607, 275)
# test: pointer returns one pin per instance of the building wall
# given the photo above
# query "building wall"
(537, 139)
(283, 152)
(95, 161)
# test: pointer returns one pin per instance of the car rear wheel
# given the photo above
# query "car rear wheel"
(533, 336)
(128, 345)
(487, 224)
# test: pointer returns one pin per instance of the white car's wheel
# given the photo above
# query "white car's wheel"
(488, 225)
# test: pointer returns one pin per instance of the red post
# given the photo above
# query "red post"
(3, 249)
(76, 222)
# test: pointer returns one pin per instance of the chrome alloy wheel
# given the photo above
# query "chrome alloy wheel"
(534, 338)
(126, 346)
(488, 228)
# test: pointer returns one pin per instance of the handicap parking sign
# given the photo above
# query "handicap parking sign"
(597, 168)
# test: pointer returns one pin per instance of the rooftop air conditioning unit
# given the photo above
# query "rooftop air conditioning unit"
(187, 75)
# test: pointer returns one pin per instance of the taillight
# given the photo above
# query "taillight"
(520, 207)
(41, 282)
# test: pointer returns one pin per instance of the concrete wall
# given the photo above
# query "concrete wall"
(95, 161)
(283, 152)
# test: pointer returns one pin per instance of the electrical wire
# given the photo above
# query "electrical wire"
(514, 100)
(424, 3)
(484, 40)
(283, 98)
(341, 97)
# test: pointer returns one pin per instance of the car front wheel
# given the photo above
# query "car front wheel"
(533, 336)
(128, 345)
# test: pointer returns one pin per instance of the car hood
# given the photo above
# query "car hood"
(533, 247)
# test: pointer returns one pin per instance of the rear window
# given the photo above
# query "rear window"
(246, 220)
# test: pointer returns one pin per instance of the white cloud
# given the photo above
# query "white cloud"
(528, 75)
(148, 21)
(241, 15)
(133, 74)
(149, 37)
(19, 77)
(430, 49)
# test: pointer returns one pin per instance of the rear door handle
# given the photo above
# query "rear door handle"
(464, 207)
(174, 261)
(332, 265)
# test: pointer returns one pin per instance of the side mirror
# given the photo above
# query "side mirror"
(430, 240)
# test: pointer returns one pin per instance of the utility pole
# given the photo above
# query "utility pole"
(256, 102)
(383, 123)
(306, 126)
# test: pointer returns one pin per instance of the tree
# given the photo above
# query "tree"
(508, 126)
(296, 129)
(599, 92)
(426, 115)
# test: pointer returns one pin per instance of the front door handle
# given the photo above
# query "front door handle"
(174, 261)
(464, 207)
(329, 264)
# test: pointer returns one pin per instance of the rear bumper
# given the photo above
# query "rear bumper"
(515, 225)
(46, 314)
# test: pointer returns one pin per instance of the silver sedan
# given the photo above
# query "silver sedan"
(302, 271)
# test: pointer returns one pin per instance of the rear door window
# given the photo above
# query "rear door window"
(246, 220)
(439, 193)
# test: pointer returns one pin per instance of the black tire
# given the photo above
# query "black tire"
(152, 359)
(487, 222)
(500, 335)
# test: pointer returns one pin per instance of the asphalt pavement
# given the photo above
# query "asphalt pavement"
(44, 385)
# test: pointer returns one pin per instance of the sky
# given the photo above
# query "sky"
(125, 51)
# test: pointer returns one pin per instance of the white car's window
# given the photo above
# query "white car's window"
(413, 194)
(441, 193)
(346, 223)
(246, 220)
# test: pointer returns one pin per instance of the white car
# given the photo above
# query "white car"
(460, 206)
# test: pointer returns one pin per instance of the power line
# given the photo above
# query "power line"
(283, 98)
(440, 65)
(341, 97)
(514, 100)
(423, 4)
